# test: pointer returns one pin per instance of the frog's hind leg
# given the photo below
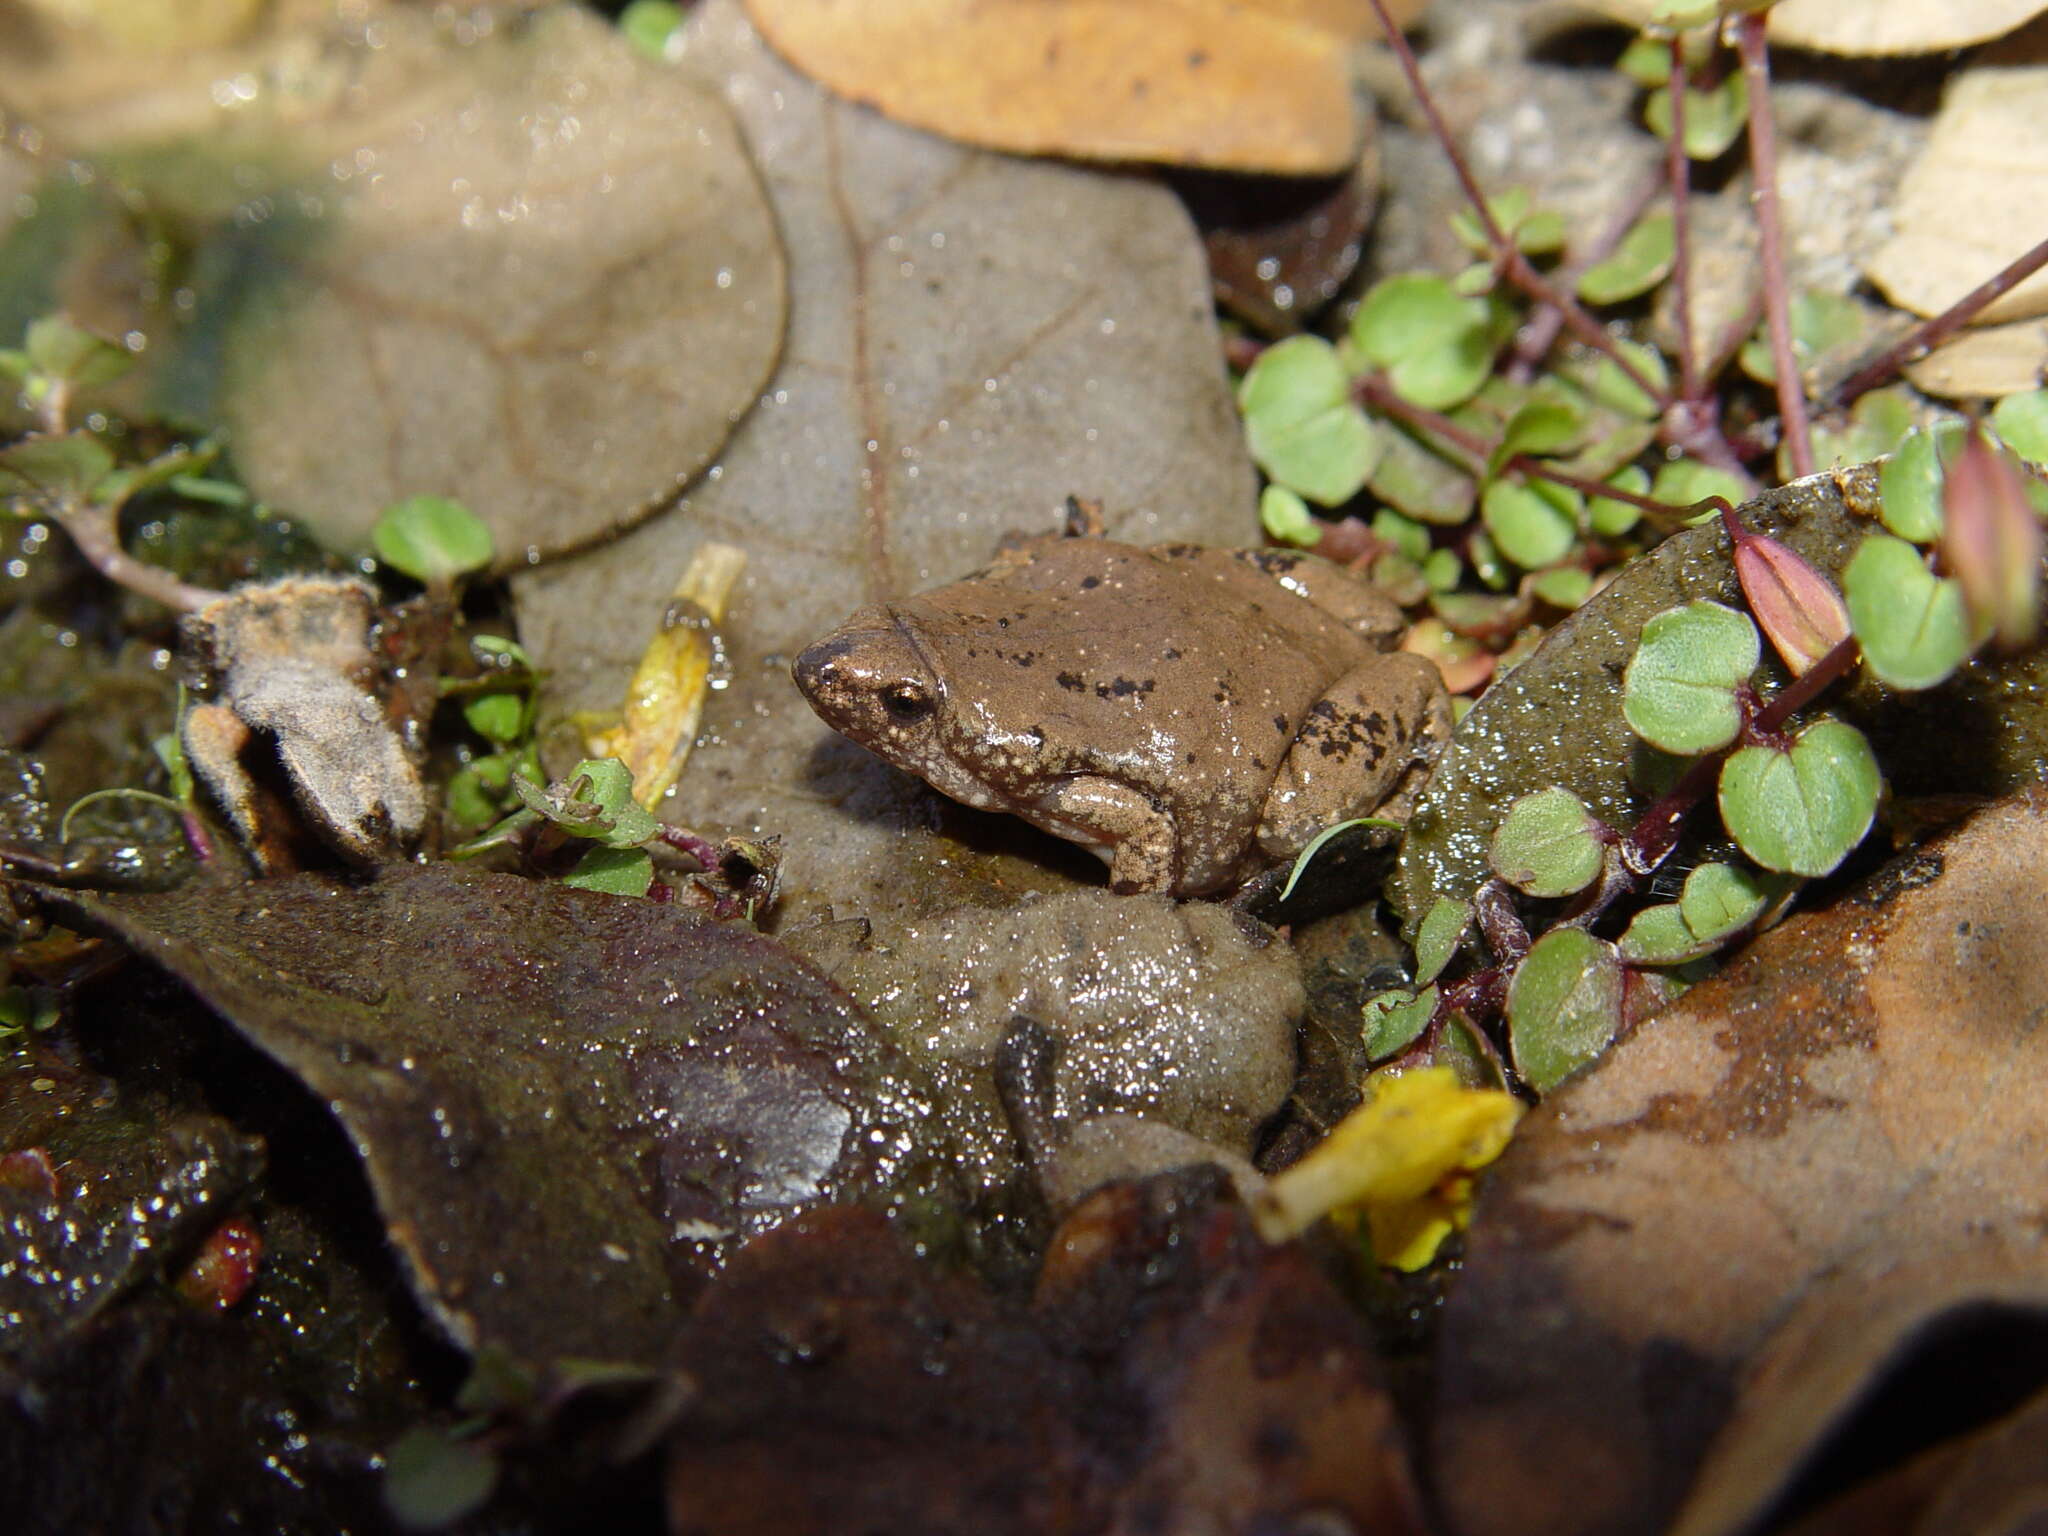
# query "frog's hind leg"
(1365, 748)
(1118, 823)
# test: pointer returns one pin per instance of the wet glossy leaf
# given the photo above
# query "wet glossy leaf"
(1910, 483)
(1443, 929)
(497, 717)
(1696, 1263)
(1301, 424)
(1796, 607)
(1548, 844)
(1564, 1005)
(571, 1108)
(1911, 624)
(1679, 691)
(1528, 525)
(1685, 481)
(1244, 87)
(1802, 811)
(1639, 263)
(2022, 422)
(1544, 425)
(1393, 1021)
(649, 24)
(1436, 346)
(431, 539)
(1424, 485)
(614, 871)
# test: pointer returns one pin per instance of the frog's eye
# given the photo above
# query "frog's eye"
(906, 703)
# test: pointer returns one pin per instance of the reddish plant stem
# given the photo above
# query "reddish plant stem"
(1763, 159)
(1513, 265)
(1678, 172)
(1928, 335)
(1539, 331)
(92, 529)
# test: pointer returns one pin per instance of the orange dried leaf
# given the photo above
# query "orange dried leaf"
(1796, 607)
(1190, 82)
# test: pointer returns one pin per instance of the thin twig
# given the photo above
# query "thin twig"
(1539, 331)
(92, 529)
(1763, 159)
(1678, 172)
(1929, 334)
(1513, 265)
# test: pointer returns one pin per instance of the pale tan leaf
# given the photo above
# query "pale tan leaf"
(975, 338)
(1858, 27)
(1971, 204)
(1994, 360)
(1696, 1260)
(1228, 87)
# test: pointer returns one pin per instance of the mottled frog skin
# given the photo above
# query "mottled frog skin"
(1190, 714)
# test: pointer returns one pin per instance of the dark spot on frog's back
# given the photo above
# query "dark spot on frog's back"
(1073, 682)
(1124, 688)
(1280, 724)
(1090, 583)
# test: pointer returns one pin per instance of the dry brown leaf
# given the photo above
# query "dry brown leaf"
(1191, 82)
(975, 337)
(1694, 1262)
(1866, 26)
(1971, 204)
(1994, 360)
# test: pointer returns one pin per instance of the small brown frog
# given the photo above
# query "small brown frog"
(1190, 714)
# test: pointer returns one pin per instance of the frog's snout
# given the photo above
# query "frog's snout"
(816, 667)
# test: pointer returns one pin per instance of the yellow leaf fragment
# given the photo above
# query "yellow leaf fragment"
(1403, 1159)
(1190, 82)
(1970, 204)
(665, 700)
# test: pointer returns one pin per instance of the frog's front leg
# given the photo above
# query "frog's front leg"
(1365, 749)
(1121, 824)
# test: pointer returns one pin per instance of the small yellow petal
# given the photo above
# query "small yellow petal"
(1391, 1151)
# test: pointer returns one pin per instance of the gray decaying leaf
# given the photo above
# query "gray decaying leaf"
(975, 338)
(570, 1106)
(1556, 718)
(289, 659)
(1695, 1263)
(498, 257)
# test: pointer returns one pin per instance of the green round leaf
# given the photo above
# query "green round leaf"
(1443, 570)
(614, 871)
(1609, 518)
(1911, 624)
(1528, 527)
(1564, 1005)
(1436, 345)
(1393, 1020)
(431, 539)
(1639, 263)
(1303, 428)
(1684, 481)
(56, 472)
(1616, 390)
(497, 717)
(1287, 519)
(1909, 485)
(1659, 936)
(2022, 421)
(1548, 844)
(648, 25)
(1720, 898)
(432, 1479)
(1410, 538)
(1543, 425)
(1714, 119)
(1679, 691)
(1563, 586)
(1804, 811)
(1436, 940)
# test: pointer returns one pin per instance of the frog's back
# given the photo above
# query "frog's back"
(1140, 664)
